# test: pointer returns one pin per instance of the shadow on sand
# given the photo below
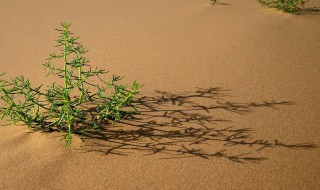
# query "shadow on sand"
(309, 11)
(181, 125)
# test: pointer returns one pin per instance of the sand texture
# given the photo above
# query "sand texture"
(230, 98)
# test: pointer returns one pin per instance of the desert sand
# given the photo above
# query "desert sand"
(230, 98)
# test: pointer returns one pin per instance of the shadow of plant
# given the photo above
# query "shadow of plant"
(181, 125)
(309, 11)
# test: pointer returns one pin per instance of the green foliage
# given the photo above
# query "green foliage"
(214, 2)
(71, 107)
(290, 6)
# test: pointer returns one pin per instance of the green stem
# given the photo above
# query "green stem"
(8, 99)
(125, 100)
(66, 94)
(65, 61)
(81, 84)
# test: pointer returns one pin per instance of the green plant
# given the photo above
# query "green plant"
(214, 2)
(290, 6)
(76, 106)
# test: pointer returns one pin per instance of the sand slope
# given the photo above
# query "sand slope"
(253, 68)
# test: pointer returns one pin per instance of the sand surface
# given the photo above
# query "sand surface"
(231, 95)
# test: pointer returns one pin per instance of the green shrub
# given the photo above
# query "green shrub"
(290, 6)
(76, 106)
(214, 2)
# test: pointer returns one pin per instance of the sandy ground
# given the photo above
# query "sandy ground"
(231, 95)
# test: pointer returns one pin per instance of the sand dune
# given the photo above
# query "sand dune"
(231, 95)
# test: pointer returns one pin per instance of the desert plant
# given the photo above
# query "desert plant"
(214, 2)
(72, 107)
(290, 6)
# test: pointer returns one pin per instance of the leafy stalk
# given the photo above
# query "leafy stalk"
(55, 109)
(290, 6)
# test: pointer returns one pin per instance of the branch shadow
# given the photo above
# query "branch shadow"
(309, 11)
(182, 125)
